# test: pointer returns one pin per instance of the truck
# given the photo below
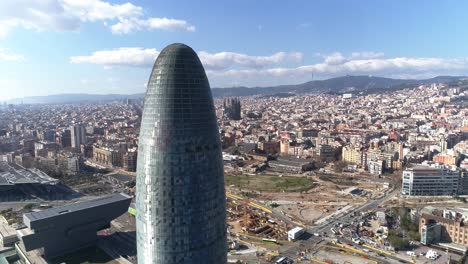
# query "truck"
(295, 233)
(356, 240)
(281, 260)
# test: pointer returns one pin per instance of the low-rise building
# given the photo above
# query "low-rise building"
(351, 154)
(284, 146)
(269, 147)
(107, 157)
(445, 158)
(291, 164)
(7, 234)
(64, 229)
(463, 183)
(325, 151)
(375, 167)
(439, 228)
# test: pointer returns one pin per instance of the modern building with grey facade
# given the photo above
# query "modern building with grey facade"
(421, 180)
(180, 196)
(65, 229)
(78, 136)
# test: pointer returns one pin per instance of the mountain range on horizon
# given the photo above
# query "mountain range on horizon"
(337, 85)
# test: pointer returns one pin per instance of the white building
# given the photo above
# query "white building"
(73, 165)
(295, 233)
(423, 180)
(375, 167)
(8, 157)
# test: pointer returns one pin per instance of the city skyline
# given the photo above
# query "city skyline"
(339, 167)
(170, 132)
(108, 46)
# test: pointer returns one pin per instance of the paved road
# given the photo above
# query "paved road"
(313, 242)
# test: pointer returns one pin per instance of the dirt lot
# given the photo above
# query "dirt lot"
(304, 213)
(305, 199)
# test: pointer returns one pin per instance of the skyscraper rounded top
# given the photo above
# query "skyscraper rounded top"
(179, 58)
(180, 197)
(178, 90)
(178, 51)
(176, 47)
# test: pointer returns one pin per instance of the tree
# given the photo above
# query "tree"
(414, 235)
(397, 242)
(340, 166)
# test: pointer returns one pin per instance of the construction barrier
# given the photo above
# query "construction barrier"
(255, 205)
(378, 250)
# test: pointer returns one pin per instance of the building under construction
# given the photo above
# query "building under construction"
(250, 218)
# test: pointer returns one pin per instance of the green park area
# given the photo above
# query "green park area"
(269, 183)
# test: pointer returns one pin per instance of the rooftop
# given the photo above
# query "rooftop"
(291, 161)
(12, 173)
(35, 216)
(6, 231)
(121, 177)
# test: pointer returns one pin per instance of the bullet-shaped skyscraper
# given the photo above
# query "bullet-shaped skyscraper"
(180, 196)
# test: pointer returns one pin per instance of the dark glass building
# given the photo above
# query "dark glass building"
(232, 108)
(180, 196)
(61, 230)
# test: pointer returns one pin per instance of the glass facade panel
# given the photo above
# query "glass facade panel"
(181, 214)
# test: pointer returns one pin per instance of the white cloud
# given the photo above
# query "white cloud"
(367, 55)
(169, 24)
(68, 15)
(7, 55)
(125, 26)
(334, 58)
(230, 68)
(141, 57)
(119, 57)
(93, 10)
(338, 65)
(5, 27)
(223, 60)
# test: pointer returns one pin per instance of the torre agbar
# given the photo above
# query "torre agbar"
(180, 196)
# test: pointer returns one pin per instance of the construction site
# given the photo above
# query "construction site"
(257, 231)
(249, 218)
(326, 195)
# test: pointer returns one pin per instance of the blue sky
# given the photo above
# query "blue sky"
(108, 46)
